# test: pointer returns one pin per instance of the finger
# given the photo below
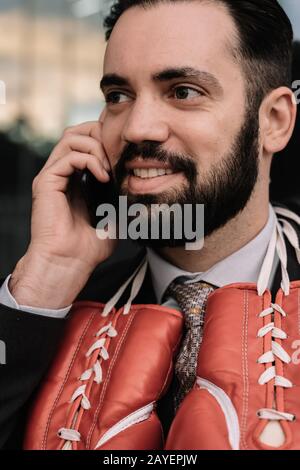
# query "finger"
(85, 128)
(96, 131)
(78, 143)
(56, 176)
(90, 128)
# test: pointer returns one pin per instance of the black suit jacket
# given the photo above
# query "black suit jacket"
(32, 340)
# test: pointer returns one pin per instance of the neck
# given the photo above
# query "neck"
(225, 241)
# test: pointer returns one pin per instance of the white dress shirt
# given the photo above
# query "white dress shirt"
(7, 299)
(242, 266)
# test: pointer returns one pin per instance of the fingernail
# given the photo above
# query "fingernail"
(106, 165)
(105, 173)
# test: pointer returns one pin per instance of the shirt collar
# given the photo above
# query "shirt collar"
(227, 271)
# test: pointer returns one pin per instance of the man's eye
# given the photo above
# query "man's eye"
(185, 92)
(114, 97)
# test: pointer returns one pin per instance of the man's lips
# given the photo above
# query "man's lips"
(138, 185)
(151, 184)
(146, 164)
(148, 169)
(150, 176)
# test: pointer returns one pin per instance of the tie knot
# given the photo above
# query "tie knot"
(191, 298)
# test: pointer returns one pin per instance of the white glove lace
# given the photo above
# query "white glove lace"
(99, 352)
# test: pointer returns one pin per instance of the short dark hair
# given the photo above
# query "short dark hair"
(265, 40)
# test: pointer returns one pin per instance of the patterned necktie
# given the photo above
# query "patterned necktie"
(192, 299)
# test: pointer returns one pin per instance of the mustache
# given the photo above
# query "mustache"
(149, 150)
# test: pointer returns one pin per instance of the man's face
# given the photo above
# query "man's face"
(176, 127)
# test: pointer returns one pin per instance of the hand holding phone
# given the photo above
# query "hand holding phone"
(64, 248)
(95, 193)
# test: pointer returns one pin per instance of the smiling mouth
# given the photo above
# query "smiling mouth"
(146, 173)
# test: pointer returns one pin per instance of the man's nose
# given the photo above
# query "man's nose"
(146, 121)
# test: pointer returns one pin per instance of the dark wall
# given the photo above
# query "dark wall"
(19, 164)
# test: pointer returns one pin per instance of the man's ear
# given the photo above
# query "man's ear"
(277, 119)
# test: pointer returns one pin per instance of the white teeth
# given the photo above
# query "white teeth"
(151, 172)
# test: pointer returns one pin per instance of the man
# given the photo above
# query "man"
(215, 144)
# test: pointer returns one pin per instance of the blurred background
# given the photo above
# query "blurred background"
(51, 55)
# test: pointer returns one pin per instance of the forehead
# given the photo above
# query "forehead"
(198, 33)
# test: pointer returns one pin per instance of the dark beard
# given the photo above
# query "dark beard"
(225, 193)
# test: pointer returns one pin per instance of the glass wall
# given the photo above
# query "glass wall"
(51, 55)
(292, 7)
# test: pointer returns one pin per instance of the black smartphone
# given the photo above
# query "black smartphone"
(95, 193)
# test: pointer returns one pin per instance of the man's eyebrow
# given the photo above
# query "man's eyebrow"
(188, 72)
(113, 79)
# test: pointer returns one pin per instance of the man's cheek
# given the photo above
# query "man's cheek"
(109, 144)
(103, 115)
